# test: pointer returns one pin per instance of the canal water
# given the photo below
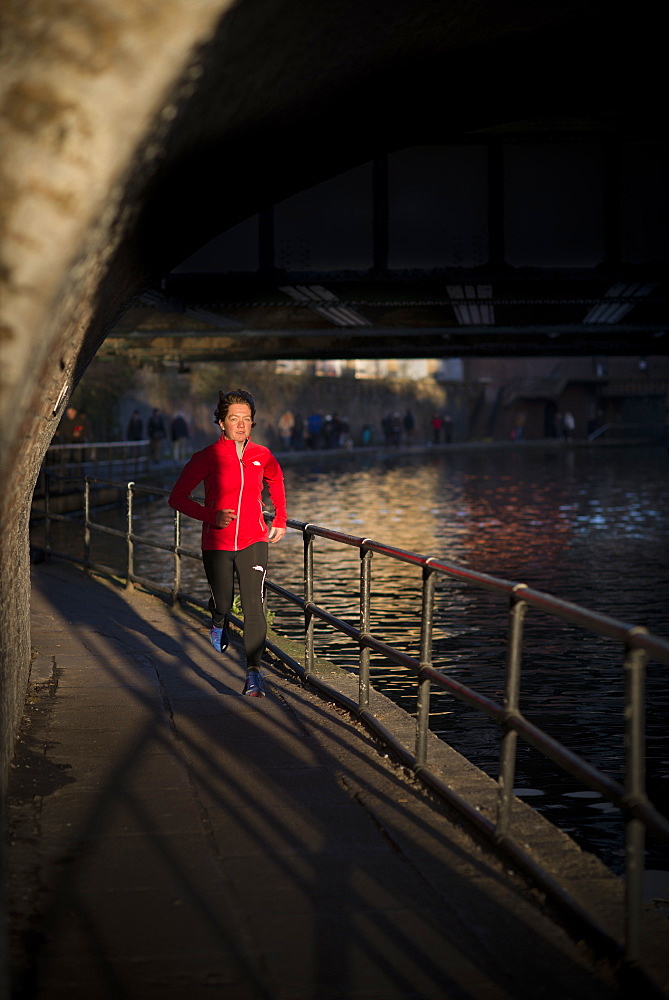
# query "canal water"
(585, 524)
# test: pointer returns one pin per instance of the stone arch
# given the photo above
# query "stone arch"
(133, 133)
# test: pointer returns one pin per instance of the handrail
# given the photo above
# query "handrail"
(635, 635)
(74, 460)
(637, 645)
(75, 446)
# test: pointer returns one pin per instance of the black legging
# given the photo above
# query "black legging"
(250, 565)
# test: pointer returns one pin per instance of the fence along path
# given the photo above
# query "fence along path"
(193, 840)
(636, 644)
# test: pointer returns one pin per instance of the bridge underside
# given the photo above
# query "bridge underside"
(456, 314)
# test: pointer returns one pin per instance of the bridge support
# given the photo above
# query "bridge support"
(86, 116)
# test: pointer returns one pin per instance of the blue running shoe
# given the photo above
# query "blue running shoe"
(219, 638)
(254, 687)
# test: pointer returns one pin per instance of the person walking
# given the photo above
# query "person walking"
(447, 427)
(234, 534)
(298, 433)
(155, 428)
(179, 435)
(409, 424)
(74, 427)
(569, 425)
(135, 427)
(315, 428)
(395, 430)
(286, 426)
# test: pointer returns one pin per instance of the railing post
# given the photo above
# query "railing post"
(424, 686)
(87, 522)
(365, 652)
(507, 762)
(177, 559)
(130, 551)
(308, 540)
(635, 788)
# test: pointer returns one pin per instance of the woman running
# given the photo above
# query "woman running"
(234, 533)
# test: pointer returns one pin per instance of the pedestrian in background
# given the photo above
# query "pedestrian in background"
(179, 435)
(157, 434)
(409, 424)
(234, 534)
(386, 427)
(569, 425)
(395, 429)
(74, 427)
(315, 425)
(328, 430)
(286, 426)
(447, 427)
(298, 432)
(135, 430)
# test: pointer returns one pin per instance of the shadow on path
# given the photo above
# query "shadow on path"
(178, 839)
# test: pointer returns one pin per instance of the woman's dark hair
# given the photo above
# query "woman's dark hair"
(226, 400)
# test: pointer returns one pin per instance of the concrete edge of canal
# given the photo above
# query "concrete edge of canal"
(587, 880)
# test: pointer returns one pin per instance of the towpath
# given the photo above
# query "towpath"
(170, 838)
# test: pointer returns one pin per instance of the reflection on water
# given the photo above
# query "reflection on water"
(587, 526)
(583, 524)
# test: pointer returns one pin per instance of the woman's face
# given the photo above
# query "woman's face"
(237, 423)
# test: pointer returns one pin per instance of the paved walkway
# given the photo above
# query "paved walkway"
(171, 839)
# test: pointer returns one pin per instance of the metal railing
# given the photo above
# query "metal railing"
(96, 458)
(636, 646)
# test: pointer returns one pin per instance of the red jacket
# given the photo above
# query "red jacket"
(235, 484)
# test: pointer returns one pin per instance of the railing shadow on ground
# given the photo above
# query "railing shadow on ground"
(271, 820)
(636, 646)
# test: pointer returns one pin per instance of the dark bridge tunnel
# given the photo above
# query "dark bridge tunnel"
(540, 157)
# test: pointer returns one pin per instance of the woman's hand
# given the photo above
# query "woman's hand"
(224, 518)
(276, 534)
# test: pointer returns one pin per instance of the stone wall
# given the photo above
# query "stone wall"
(362, 401)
